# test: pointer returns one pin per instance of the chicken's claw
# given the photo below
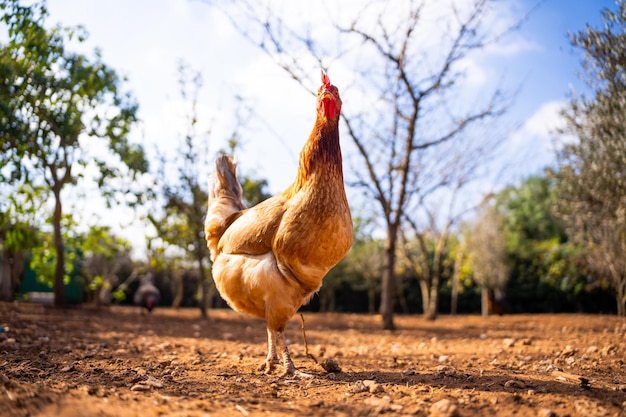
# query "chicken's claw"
(268, 365)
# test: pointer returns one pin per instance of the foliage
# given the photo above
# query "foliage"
(44, 256)
(18, 233)
(18, 217)
(54, 105)
(546, 271)
(529, 213)
(254, 190)
(591, 177)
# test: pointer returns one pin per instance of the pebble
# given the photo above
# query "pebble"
(508, 342)
(330, 365)
(358, 387)
(514, 383)
(140, 387)
(444, 408)
(445, 370)
(373, 386)
(609, 350)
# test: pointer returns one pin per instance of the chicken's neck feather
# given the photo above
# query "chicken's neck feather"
(321, 155)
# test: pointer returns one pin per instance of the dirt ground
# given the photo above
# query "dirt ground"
(115, 362)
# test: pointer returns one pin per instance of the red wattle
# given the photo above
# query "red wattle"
(328, 109)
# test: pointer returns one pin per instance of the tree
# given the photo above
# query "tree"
(408, 126)
(591, 175)
(546, 270)
(461, 272)
(54, 106)
(488, 255)
(18, 212)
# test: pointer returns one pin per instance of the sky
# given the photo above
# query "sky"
(146, 40)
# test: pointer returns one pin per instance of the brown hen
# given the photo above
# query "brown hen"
(268, 260)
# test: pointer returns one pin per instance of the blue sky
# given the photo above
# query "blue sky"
(144, 40)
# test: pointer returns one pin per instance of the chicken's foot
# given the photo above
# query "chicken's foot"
(290, 368)
(275, 338)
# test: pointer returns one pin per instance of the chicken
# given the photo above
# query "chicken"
(268, 260)
(147, 295)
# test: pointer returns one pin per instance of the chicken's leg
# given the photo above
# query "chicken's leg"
(272, 356)
(290, 368)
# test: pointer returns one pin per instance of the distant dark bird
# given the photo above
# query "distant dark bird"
(147, 295)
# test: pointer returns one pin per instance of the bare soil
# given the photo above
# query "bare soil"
(116, 362)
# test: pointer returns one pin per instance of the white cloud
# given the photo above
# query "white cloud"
(542, 124)
(535, 144)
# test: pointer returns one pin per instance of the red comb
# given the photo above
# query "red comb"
(325, 79)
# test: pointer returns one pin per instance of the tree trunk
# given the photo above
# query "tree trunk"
(621, 301)
(454, 297)
(371, 300)
(426, 285)
(484, 301)
(388, 290)
(456, 275)
(435, 276)
(179, 289)
(203, 289)
(59, 272)
(404, 305)
(6, 279)
(434, 298)
(425, 291)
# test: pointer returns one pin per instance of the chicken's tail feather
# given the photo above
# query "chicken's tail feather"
(225, 199)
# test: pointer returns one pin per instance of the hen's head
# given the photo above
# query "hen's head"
(328, 101)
